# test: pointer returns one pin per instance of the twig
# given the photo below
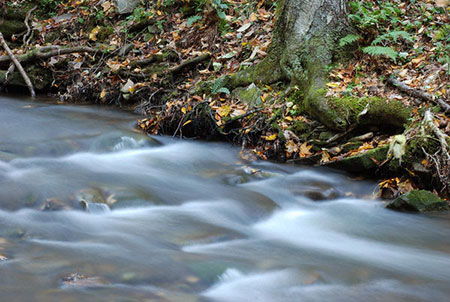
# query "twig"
(418, 94)
(26, 40)
(18, 65)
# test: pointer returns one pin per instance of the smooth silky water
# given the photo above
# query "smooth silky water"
(192, 221)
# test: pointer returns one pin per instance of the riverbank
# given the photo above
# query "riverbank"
(163, 61)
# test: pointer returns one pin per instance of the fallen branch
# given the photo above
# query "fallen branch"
(428, 119)
(18, 65)
(44, 53)
(418, 94)
(189, 63)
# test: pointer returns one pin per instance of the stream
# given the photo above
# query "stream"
(176, 220)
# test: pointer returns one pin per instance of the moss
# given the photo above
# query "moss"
(364, 162)
(380, 111)
(40, 78)
(11, 27)
(300, 127)
(418, 201)
(105, 32)
(351, 146)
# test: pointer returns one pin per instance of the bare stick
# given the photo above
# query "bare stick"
(18, 65)
(418, 94)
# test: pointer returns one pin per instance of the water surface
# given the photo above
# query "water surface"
(193, 221)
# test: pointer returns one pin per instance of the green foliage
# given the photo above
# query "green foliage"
(217, 88)
(193, 19)
(349, 39)
(392, 35)
(382, 23)
(380, 51)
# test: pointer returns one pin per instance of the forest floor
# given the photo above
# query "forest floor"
(154, 58)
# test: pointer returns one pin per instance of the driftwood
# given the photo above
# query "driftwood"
(418, 94)
(46, 53)
(18, 66)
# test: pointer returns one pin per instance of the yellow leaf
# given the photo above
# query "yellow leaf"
(93, 34)
(271, 137)
(289, 118)
(103, 94)
(224, 110)
(333, 84)
(325, 157)
(305, 150)
(187, 122)
(253, 17)
(183, 110)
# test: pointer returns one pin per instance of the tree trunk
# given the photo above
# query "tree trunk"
(305, 41)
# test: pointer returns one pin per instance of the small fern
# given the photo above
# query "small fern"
(381, 51)
(349, 39)
(392, 35)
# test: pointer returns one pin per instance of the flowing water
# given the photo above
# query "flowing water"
(188, 221)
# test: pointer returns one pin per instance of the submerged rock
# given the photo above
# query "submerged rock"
(418, 201)
(94, 208)
(82, 281)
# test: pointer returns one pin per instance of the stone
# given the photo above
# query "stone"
(126, 6)
(250, 95)
(418, 201)
(362, 162)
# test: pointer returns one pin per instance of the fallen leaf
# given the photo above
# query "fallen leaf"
(271, 137)
(305, 150)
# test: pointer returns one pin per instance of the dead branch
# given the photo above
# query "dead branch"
(18, 65)
(189, 63)
(418, 94)
(41, 53)
(429, 120)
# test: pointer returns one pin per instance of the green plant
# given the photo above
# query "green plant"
(218, 88)
(378, 22)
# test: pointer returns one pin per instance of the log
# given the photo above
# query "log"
(39, 53)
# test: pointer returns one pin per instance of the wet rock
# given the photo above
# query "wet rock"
(322, 195)
(82, 281)
(90, 195)
(121, 140)
(418, 201)
(94, 208)
(361, 162)
(54, 204)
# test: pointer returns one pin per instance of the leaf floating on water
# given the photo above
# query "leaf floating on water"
(3, 258)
